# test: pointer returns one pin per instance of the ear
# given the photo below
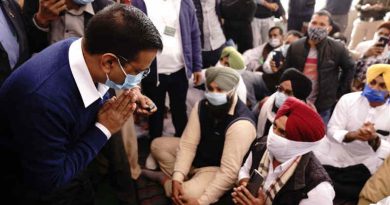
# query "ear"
(107, 61)
(329, 28)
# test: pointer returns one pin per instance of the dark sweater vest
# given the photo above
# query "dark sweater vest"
(210, 147)
(308, 174)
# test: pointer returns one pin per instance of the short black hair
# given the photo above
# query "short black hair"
(294, 33)
(275, 27)
(324, 12)
(122, 30)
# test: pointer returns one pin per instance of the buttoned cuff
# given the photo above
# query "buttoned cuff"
(39, 27)
(103, 129)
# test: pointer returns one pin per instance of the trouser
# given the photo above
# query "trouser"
(342, 21)
(240, 32)
(363, 30)
(210, 58)
(260, 28)
(296, 22)
(164, 150)
(176, 84)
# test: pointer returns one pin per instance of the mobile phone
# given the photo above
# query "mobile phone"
(383, 41)
(277, 57)
(254, 183)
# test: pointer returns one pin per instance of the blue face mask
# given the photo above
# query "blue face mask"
(130, 80)
(82, 2)
(280, 98)
(374, 95)
(216, 98)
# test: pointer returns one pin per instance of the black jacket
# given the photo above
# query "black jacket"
(13, 14)
(39, 39)
(335, 68)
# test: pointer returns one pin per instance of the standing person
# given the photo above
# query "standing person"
(339, 10)
(320, 58)
(237, 16)
(212, 37)
(181, 58)
(14, 48)
(266, 11)
(49, 21)
(299, 13)
(371, 14)
(54, 115)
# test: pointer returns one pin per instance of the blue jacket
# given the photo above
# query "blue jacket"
(190, 37)
(44, 122)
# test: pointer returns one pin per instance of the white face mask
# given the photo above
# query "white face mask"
(280, 98)
(220, 65)
(216, 98)
(275, 42)
(283, 149)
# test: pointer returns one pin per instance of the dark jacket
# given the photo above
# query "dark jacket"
(335, 68)
(13, 14)
(308, 174)
(264, 12)
(39, 39)
(190, 38)
(301, 7)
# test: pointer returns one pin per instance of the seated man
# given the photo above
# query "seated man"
(284, 159)
(377, 188)
(357, 135)
(202, 165)
(291, 83)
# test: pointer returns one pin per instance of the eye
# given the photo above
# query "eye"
(373, 82)
(382, 86)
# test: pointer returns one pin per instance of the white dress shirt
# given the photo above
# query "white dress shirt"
(350, 113)
(88, 91)
(322, 194)
(212, 32)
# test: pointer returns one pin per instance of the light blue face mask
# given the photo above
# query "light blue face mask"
(82, 2)
(130, 81)
(280, 98)
(216, 98)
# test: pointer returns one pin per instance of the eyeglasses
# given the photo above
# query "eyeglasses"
(285, 91)
(145, 72)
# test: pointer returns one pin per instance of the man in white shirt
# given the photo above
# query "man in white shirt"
(357, 135)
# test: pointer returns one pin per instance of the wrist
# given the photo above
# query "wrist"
(41, 21)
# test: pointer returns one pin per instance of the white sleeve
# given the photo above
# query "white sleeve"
(267, 63)
(245, 169)
(338, 122)
(322, 194)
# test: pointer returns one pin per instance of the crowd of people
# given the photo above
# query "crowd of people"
(269, 105)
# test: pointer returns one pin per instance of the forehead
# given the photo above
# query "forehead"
(320, 19)
(384, 31)
(379, 79)
(145, 57)
(275, 31)
(286, 84)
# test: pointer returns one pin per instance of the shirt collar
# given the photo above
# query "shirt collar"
(86, 8)
(88, 91)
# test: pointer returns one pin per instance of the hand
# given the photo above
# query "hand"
(377, 7)
(189, 200)
(197, 77)
(243, 182)
(373, 51)
(242, 196)
(272, 6)
(365, 133)
(115, 112)
(274, 68)
(48, 11)
(177, 192)
(145, 104)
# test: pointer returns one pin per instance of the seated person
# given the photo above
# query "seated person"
(292, 83)
(203, 164)
(357, 135)
(255, 57)
(377, 188)
(371, 52)
(270, 65)
(284, 159)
